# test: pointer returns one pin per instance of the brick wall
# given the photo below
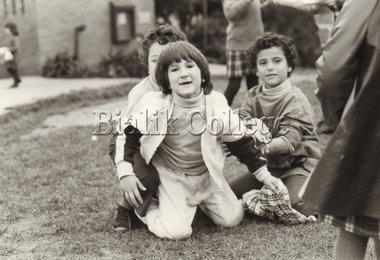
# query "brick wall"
(25, 18)
(47, 27)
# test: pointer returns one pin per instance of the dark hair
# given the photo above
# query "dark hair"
(12, 27)
(175, 52)
(162, 34)
(269, 40)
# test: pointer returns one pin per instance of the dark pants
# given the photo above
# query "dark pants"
(146, 173)
(234, 86)
(292, 181)
(15, 75)
(148, 176)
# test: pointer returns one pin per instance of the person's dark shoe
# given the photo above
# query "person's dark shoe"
(15, 84)
(122, 222)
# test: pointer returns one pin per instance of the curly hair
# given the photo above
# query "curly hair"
(12, 27)
(175, 52)
(162, 34)
(269, 40)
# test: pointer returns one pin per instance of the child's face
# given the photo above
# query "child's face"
(154, 52)
(272, 66)
(185, 78)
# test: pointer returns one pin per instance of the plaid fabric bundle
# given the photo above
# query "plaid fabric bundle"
(274, 205)
(361, 225)
(237, 65)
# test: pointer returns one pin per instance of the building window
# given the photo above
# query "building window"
(13, 7)
(122, 23)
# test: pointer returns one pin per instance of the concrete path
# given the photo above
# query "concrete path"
(33, 88)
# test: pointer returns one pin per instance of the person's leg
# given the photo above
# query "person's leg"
(222, 207)
(252, 80)
(148, 176)
(171, 217)
(294, 184)
(232, 89)
(15, 76)
(244, 183)
(349, 246)
(294, 180)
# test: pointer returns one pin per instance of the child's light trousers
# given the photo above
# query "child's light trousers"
(179, 195)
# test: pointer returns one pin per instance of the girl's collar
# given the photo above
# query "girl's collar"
(281, 89)
(187, 102)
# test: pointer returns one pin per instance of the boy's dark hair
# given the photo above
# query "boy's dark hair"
(12, 27)
(175, 52)
(269, 40)
(162, 34)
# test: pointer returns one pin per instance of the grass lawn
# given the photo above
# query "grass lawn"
(58, 196)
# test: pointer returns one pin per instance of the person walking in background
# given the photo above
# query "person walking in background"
(244, 27)
(294, 150)
(139, 188)
(345, 185)
(13, 44)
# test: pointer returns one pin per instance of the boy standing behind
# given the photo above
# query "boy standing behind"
(138, 189)
(294, 150)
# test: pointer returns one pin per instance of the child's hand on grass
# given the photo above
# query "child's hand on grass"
(131, 185)
(273, 183)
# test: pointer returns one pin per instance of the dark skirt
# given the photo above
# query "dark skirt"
(13, 64)
(360, 225)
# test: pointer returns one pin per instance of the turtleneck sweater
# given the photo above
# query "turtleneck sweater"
(181, 149)
(281, 144)
(278, 91)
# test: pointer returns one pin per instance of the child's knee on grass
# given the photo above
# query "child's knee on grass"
(180, 233)
(176, 232)
(229, 219)
(234, 220)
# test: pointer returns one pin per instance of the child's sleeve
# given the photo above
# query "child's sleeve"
(245, 151)
(297, 123)
(247, 109)
(127, 146)
(234, 10)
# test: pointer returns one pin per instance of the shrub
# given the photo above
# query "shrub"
(114, 65)
(300, 26)
(64, 66)
(215, 50)
(122, 65)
